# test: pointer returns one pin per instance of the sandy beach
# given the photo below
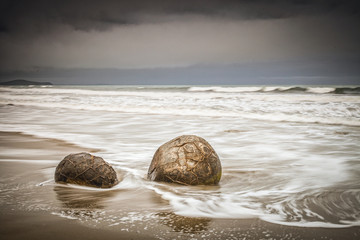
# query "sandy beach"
(27, 162)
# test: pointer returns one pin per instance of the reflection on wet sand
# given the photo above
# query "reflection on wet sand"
(184, 224)
(82, 198)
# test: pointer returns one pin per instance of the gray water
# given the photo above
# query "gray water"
(289, 155)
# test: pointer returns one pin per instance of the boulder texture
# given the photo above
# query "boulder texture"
(188, 160)
(85, 169)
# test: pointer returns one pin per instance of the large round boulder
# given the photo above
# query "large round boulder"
(188, 160)
(86, 169)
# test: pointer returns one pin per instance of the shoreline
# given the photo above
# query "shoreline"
(19, 221)
(44, 225)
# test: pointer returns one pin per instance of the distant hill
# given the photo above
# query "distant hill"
(22, 82)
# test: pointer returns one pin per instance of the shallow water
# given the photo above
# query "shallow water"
(289, 156)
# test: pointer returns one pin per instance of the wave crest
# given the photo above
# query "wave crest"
(291, 89)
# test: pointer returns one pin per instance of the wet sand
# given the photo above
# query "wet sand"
(41, 225)
(38, 220)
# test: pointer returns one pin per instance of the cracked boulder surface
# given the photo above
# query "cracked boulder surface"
(86, 169)
(187, 160)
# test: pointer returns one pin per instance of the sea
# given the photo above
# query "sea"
(290, 155)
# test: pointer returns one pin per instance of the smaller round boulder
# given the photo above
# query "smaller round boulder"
(86, 169)
(188, 160)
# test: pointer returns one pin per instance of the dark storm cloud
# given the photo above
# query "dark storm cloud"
(40, 15)
(141, 38)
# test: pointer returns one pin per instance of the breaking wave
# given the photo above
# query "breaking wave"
(308, 105)
(292, 89)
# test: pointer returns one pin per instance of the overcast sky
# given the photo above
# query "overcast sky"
(181, 42)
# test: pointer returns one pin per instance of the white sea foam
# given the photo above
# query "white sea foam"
(64, 215)
(215, 208)
(313, 224)
(320, 90)
(227, 209)
(225, 89)
(327, 118)
(29, 161)
(245, 206)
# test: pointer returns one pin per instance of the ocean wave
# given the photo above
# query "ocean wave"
(312, 105)
(170, 90)
(59, 91)
(291, 89)
(205, 112)
(225, 89)
(94, 90)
